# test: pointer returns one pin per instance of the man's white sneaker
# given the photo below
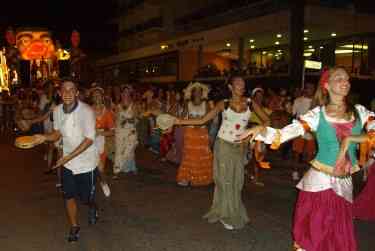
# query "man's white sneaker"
(105, 188)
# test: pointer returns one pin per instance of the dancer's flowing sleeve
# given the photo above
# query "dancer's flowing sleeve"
(368, 122)
(306, 123)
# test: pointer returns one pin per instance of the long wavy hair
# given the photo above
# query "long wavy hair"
(322, 98)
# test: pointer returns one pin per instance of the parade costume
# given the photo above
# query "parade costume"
(104, 121)
(323, 213)
(196, 165)
(364, 204)
(229, 162)
(126, 140)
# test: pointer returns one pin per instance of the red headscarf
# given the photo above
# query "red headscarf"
(324, 77)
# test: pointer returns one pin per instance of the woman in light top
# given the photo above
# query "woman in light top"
(105, 126)
(126, 139)
(229, 155)
(196, 165)
(323, 219)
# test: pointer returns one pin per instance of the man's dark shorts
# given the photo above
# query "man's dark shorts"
(80, 186)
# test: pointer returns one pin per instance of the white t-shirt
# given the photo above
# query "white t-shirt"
(301, 106)
(74, 128)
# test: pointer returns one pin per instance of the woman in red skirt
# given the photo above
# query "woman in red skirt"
(364, 204)
(323, 216)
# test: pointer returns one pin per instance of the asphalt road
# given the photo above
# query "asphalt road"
(145, 212)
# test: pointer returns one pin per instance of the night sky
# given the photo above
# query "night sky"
(93, 19)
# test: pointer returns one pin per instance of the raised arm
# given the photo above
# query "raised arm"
(305, 123)
(40, 118)
(209, 116)
(261, 114)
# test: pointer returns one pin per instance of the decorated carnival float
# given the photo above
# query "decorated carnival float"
(31, 56)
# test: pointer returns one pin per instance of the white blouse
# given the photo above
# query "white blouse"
(314, 180)
(197, 111)
(233, 124)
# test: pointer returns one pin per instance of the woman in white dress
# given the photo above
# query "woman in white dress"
(126, 139)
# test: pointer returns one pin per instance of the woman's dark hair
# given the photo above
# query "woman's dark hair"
(233, 77)
(227, 92)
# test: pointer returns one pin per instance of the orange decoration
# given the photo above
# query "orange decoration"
(35, 45)
(277, 141)
(306, 126)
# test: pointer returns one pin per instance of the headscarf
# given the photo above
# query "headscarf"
(324, 78)
(189, 89)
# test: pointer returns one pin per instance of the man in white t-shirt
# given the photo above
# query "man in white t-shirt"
(74, 122)
(305, 145)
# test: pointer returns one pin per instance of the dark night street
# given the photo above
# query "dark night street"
(147, 212)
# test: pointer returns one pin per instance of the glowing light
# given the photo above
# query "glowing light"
(305, 38)
(279, 35)
(252, 40)
(228, 44)
(305, 31)
(345, 51)
(356, 46)
(333, 34)
(164, 46)
(277, 42)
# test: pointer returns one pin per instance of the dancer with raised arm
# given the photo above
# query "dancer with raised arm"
(196, 165)
(229, 155)
(323, 218)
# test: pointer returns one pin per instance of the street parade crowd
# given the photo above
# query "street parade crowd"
(94, 133)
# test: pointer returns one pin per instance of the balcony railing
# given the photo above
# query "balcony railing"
(227, 12)
(156, 22)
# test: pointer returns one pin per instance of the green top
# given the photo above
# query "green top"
(328, 144)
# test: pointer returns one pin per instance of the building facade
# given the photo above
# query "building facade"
(169, 41)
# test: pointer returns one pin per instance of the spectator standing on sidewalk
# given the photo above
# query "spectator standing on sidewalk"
(304, 146)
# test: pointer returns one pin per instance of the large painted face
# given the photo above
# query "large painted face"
(10, 37)
(35, 45)
(75, 39)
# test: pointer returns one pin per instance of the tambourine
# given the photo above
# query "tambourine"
(27, 142)
(165, 121)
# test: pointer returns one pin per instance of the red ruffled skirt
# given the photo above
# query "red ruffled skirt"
(364, 204)
(323, 221)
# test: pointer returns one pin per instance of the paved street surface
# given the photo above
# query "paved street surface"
(145, 212)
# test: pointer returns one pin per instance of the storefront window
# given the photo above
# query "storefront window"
(353, 55)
